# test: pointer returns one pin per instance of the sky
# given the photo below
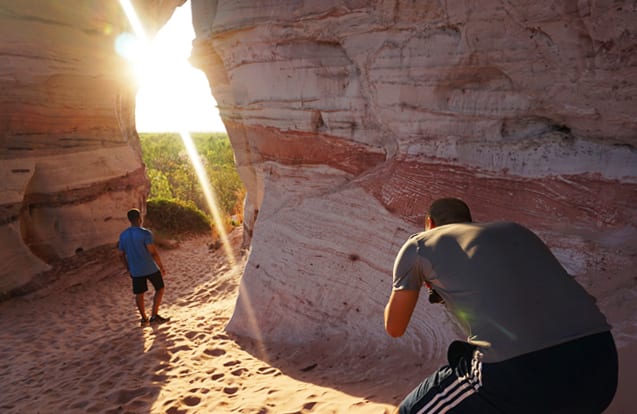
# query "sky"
(173, 96)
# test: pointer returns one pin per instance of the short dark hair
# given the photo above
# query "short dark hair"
(133, 215)
(449, 210)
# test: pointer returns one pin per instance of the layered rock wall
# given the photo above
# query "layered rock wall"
(349, 117)
(70, 162)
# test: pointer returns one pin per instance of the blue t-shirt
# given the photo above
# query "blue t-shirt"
(133, 242)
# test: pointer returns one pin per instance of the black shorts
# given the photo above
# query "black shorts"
(140, 285)
(579, 376)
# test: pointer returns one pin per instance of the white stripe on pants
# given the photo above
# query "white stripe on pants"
(457, 391)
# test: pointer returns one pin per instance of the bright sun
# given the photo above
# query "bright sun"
(173, 96)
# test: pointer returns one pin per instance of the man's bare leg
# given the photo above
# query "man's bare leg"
(157, 301)
(139, 300)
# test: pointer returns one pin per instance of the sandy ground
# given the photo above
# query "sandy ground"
(76, 346)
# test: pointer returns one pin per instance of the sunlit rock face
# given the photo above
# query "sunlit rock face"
(349, 117)
(70, 162)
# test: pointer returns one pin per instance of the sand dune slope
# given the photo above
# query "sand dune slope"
(76, 346)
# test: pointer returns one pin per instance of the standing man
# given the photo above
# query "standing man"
(139, 255)
(537, 343)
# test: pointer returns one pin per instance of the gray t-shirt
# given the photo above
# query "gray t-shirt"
(503, 285)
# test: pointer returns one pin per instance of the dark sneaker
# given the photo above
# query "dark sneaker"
(158, 319)
(143, 322)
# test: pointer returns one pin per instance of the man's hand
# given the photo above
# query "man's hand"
(434, 297)
(122, 257)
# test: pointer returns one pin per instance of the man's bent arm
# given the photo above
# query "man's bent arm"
(153, 251)
(122, 257)
(398, 311)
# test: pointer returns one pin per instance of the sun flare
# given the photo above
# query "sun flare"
(162, 66)
(172, 95)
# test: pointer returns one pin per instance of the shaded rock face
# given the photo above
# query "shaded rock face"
(70, 161)
(349, 117)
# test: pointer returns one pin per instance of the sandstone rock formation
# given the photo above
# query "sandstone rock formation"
(348, 117)
(70, 162)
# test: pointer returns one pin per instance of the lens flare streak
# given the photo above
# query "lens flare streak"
(208, 193)
(202, 176)
(129, 10)
(204, 181)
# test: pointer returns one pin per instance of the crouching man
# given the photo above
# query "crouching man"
(537, 343)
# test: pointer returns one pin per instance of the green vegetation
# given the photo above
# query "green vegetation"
(176, 202)
(174, 217)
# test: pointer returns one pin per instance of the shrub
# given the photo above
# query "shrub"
(173, 177)
(175, 218)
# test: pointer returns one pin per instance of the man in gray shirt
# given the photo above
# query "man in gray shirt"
(537, 343)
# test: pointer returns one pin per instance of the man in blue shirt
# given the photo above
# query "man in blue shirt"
(139, 255)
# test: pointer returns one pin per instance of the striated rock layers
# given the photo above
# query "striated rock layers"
(70, 162)
(349, 117)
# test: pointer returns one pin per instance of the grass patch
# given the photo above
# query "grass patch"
(175, 219)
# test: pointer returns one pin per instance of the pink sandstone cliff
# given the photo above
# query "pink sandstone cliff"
(70, 161)
(347, 118)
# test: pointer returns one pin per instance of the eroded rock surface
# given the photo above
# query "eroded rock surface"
(70, 162)
(349, 117)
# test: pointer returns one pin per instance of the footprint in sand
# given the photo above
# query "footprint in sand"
(214, 352)
(194, 335)
(180, 348)
(231, 390)
(267, 370)
(175, 410)
(192, 400)
(238, 372)
(231, 363)
(199, 391)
